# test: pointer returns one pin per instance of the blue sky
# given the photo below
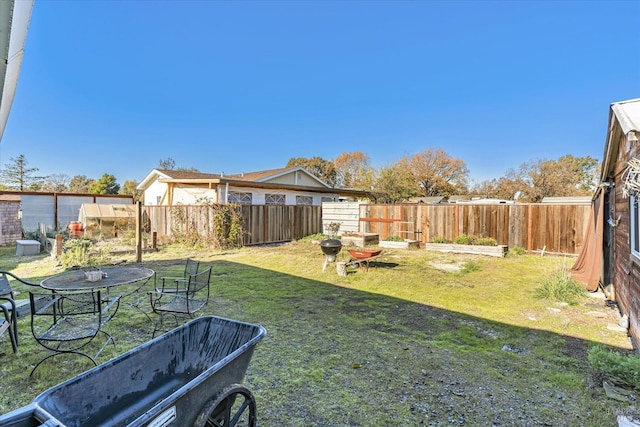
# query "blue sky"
(115, 86)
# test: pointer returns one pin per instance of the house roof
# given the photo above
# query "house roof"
(14, 23)
(10, 198)
(429, 200)
(626, 114)
(246, 179)
(257, 176)
(104, 211)
(569, 200)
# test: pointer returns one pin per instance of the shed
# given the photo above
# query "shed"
(10, 227)
(611, 258)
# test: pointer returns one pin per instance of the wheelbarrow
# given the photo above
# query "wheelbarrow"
(190, 376)
(363, 256)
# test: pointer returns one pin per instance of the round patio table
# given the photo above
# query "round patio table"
(115, 276)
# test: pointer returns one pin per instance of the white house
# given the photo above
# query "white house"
(286, 186)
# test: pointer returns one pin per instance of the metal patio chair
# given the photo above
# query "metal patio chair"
(168, 284)
(66, 323)
(16, 307)
(6, 290)
(8, 322)
(182, 302)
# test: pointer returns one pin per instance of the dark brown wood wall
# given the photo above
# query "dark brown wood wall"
(626, 268)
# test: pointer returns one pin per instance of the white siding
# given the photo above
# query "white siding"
(153, 192)
(190, 195)
(347, 214)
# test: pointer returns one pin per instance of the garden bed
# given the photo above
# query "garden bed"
(392, 244)
(359, 239)
(496, 251)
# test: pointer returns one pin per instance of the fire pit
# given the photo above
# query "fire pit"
(330, 248)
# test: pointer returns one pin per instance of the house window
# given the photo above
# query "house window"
(304, 200)
(635, 227)
(274, 199)
(239, 198)
(327, 199)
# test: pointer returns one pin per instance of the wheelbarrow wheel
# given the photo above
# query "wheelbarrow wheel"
(233, 406)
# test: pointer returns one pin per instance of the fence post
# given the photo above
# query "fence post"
(58, 251)
(138, 231)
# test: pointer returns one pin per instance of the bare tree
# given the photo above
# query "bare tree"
(57, 183)
(168, 164)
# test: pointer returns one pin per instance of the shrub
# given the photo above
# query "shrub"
(625, 369)
(79, 252)
(485, 241)
(517, 251)
(333, 228)
(222, 225)
(394, 239)
(559, 286)
(463, 239)
(312, 237)
(439, 239)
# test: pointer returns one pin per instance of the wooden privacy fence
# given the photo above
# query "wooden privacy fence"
(534, 227)
(262, 223)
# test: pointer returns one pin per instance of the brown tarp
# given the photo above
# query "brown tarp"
(589, 263)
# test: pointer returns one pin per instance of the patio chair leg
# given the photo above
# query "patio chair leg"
(64, 352)
(160, 324)
(13, 336)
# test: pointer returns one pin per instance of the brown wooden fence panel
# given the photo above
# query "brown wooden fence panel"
(262, 223)
(307, 221)
(534, 227)
(440, 222)
(517, 231)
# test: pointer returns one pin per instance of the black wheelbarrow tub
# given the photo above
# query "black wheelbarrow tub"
(171, 377)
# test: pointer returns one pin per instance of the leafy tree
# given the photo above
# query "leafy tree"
(353, 170)
(18, 176)
(129, 188)
(57, 183)
(80, 184)
(437, 173)
(533, 181)
(321, 168)
(567, 176)
(105, 185)
(394, 184)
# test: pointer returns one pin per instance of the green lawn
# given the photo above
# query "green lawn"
(410, 342)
